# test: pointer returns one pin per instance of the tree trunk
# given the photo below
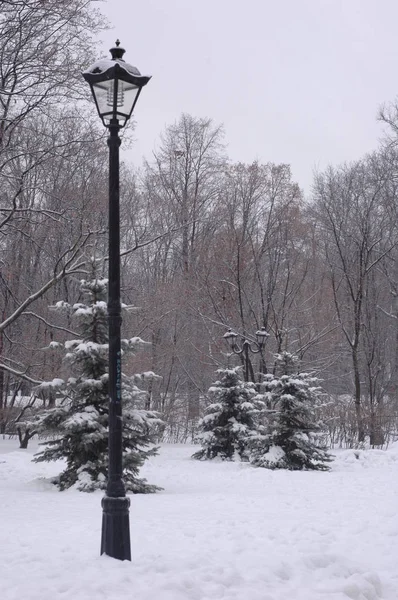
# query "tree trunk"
(24, 437)
(357, 397)
(375, 433)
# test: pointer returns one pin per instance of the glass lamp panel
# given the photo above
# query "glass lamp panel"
(261, 336)
(103, 93)
(126, 95)
(105, 97)
(230, 338)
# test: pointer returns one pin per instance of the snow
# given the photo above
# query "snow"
(53, 345)
(147, 376)
(87, 348)
(274, 454)
(219, 531)
(72, 343)
(82, 310)
(54, 383)
(103, 64)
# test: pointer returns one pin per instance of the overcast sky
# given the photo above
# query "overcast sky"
(293, 81)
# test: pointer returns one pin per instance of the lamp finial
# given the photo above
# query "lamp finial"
(117, 52)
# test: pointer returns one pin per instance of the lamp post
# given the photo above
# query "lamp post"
(261, 336)
(115, 86)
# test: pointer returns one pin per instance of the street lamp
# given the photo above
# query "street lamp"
(261, 336)
(116, 87)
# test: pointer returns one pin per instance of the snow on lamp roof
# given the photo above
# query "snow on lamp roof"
(104, 64)
(230, 334)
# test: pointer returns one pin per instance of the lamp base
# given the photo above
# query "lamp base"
(115, 539)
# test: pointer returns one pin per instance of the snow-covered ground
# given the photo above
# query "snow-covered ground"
(219, 531)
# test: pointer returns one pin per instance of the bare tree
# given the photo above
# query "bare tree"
(357, 234)
(48, 157)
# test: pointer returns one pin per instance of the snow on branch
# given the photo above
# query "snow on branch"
(20, 374)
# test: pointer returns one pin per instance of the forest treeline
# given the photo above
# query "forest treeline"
(207, 244)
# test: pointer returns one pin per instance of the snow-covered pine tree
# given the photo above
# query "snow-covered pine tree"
(77, 429)
(295, 442)
(230, 420)
(261, 439)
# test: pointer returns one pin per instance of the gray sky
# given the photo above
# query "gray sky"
(293, 81)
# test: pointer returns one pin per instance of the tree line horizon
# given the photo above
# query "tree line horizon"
(207, 244)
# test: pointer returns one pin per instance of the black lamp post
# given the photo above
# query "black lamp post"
(116, 86)
(261, 336)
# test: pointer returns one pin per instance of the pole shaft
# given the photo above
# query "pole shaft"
(115, 482)
(115, 540)
(246, 361)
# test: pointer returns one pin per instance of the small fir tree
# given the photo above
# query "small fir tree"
(261, 440)
(295, 442)
(230, 420)
(78, 427)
